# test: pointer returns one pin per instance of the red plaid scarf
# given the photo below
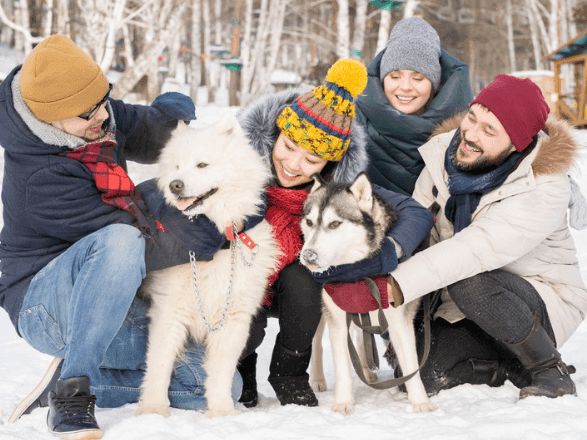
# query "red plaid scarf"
(112, 181)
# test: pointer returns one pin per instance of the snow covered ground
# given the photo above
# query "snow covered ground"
(468, 412)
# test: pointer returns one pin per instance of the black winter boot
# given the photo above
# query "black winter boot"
(39, 396)
(247, 368)
(539, 356)
(71, 410)
(495, 372)
(288, 377)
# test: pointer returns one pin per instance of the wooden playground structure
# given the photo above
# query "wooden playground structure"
(571, 106)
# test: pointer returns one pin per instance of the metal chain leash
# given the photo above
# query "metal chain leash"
(216, 328)
(233, 247)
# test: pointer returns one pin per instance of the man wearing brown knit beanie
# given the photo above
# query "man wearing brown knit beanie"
(78, 236)
(502, 257)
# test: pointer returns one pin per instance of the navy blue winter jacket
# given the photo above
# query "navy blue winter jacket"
(50, 201)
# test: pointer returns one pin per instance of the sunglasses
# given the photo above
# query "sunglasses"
(92, 112)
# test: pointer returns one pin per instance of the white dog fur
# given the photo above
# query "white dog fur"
(220, 157)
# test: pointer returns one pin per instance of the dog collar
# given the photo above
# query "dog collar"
(244, 238)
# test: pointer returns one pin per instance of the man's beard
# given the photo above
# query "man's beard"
(483, 164)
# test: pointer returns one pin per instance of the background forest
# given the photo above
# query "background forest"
(243, 48)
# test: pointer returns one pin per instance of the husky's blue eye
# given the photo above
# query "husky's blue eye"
(334, 225)
(202, 165)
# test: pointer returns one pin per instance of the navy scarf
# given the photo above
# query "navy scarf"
(466, 189)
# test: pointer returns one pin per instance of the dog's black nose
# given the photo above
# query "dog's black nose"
(176, 186)
(309, 256)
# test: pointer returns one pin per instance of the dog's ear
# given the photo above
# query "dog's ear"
(230, 123)
(318, 182)
(363, 192)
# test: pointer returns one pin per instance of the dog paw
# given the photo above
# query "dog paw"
(211, 413)
(371, 376)
(423, 407)
(346, 409)
(319, 385)
(152, 409)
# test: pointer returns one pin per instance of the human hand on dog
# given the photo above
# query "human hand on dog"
(394, 292)
(382, 263)
(171, 107)
(197, 234)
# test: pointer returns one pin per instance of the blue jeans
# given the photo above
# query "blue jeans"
(82, 308)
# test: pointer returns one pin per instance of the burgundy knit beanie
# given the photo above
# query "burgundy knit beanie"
(519, 106)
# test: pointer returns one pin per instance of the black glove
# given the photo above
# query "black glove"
(170, 107)
(381, 264)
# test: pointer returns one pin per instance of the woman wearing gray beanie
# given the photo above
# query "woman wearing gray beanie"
(413, 85)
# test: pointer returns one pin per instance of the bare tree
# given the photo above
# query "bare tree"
(384, 29)
(21, 25)
(359, 29)
(195, 77)
(246, 51)
(162, 21)
(509, 18)
(342, 29)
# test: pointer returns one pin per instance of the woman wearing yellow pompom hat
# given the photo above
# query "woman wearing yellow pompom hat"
(301, 133)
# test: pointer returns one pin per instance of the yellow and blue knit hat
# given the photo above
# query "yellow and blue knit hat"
(321, 120)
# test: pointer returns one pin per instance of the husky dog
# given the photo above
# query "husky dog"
(215, 172)
(343, 224)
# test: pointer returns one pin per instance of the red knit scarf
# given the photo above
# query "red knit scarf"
(115, 186)
(284, 209)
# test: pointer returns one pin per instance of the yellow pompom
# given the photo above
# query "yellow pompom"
(349, 74)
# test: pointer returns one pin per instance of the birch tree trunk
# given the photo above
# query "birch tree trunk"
(553, 25)
(207, 44)
(115, 23)
(384, 30)
(174, 55)
(128, 52)
(62, 25)
(235, 51)
(246, 52)
(510, 33)
(534, 35)
(342, 29)
(165, 19)
(276, 31)
(410, 8)
(22, 35)
(359, 29)
(47, 18)
(258, 53)
(195, 78)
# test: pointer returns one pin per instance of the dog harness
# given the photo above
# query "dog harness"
(356, 297)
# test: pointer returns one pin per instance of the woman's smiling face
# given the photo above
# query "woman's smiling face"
(407, 91)
(294, 165)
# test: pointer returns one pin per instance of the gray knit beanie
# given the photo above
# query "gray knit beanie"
(413, 45)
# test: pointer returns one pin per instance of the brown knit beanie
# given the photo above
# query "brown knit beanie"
(59, 81)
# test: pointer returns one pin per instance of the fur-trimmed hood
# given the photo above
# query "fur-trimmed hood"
(258, 121)
(557, 147)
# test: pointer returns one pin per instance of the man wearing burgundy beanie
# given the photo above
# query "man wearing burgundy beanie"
(501, 258)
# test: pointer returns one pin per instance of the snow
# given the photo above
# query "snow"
(468, 412)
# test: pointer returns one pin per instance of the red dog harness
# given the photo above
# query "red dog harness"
(356, 297)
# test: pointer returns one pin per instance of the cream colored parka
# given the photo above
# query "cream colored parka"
(520, 227)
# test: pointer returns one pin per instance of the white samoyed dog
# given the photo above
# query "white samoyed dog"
(215, 172)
